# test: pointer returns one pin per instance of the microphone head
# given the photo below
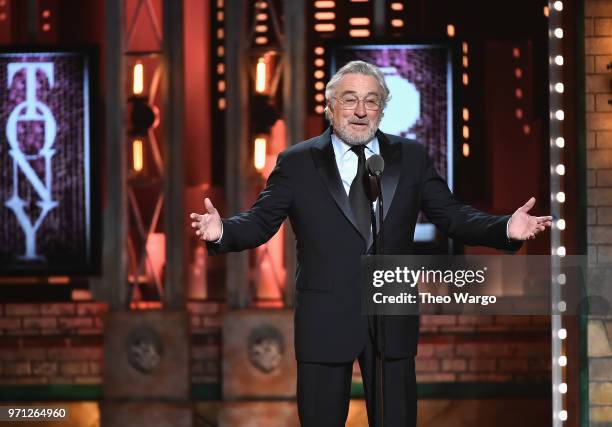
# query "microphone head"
(375, 165)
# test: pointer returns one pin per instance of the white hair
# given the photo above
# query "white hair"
(357, 67)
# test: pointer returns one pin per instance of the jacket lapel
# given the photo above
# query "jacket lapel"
(391, 153)
(325, 162)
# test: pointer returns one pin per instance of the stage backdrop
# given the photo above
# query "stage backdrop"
(419, 77)
(45, 179)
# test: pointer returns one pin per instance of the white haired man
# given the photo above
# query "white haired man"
(319, 185)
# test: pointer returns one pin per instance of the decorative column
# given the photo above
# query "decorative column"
(146, 340)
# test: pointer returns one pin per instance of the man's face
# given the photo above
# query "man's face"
(356, 126)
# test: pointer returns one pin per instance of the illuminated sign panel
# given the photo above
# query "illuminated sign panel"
(45, 180)
(419, 77)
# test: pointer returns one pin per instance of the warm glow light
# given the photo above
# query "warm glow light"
(559, 115)
(465, 79)
(563, 415)
(561, 224)
(319, 74)
(359, 21)
(518, 113)
(319, 62)
(261, 40)
(397, 23)
(319, 97)
(259, 157)
(319, 109)
(261, 16)
(516, 52)
(526, 129)
(450, 30)
(361, 32)
(260, 75)
(46, 27)
(466, 132)
(558, 5)
(466, 149)
(325, 16)
(518, 73)
(138, 80)
(562, 333)
(560, 142)
(560, 169)
(46, 13)
(220, 68)
(465, 61)
(221, 103)
(397, 6)
(560, 197)
(558, 33)
(559, 87)
(319, 85)
(319, 50)
(466, 114)
(324, 4)
(518, 92)
(559, 60)
(563, 388)
(325, 28)
(464, 47)
(561, 252)
(137, 155)
(261, 28)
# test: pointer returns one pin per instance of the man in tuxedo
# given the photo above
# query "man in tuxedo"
(320, 185)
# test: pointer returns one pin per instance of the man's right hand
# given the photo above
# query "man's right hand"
(208, 226)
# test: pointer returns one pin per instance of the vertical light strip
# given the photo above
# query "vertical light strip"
(220, 59)
(396, 15)
(465, 149)
(87, 157)
(324, 14)
(555, 74)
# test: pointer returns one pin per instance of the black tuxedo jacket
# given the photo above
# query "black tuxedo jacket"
(305, 186)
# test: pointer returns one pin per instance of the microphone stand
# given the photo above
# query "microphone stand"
(379, 320)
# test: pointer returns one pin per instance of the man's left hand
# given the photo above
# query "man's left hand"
(523, 226)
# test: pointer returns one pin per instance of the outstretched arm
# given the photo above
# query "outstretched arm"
(471, 226)
(252, 228)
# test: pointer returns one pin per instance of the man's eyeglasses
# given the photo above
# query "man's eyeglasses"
(351, 103)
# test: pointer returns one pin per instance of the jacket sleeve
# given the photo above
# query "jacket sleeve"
(256, 226)
(459, 220)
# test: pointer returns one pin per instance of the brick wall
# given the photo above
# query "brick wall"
(62, 343)
(205, 320)
(59, 343)
(484, 349)
(489, 349)
(598, 50)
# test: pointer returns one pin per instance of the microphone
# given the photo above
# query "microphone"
(375, 165)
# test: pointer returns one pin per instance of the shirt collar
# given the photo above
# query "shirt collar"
(341, 147)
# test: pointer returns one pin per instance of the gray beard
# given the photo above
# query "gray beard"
(355, 140)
